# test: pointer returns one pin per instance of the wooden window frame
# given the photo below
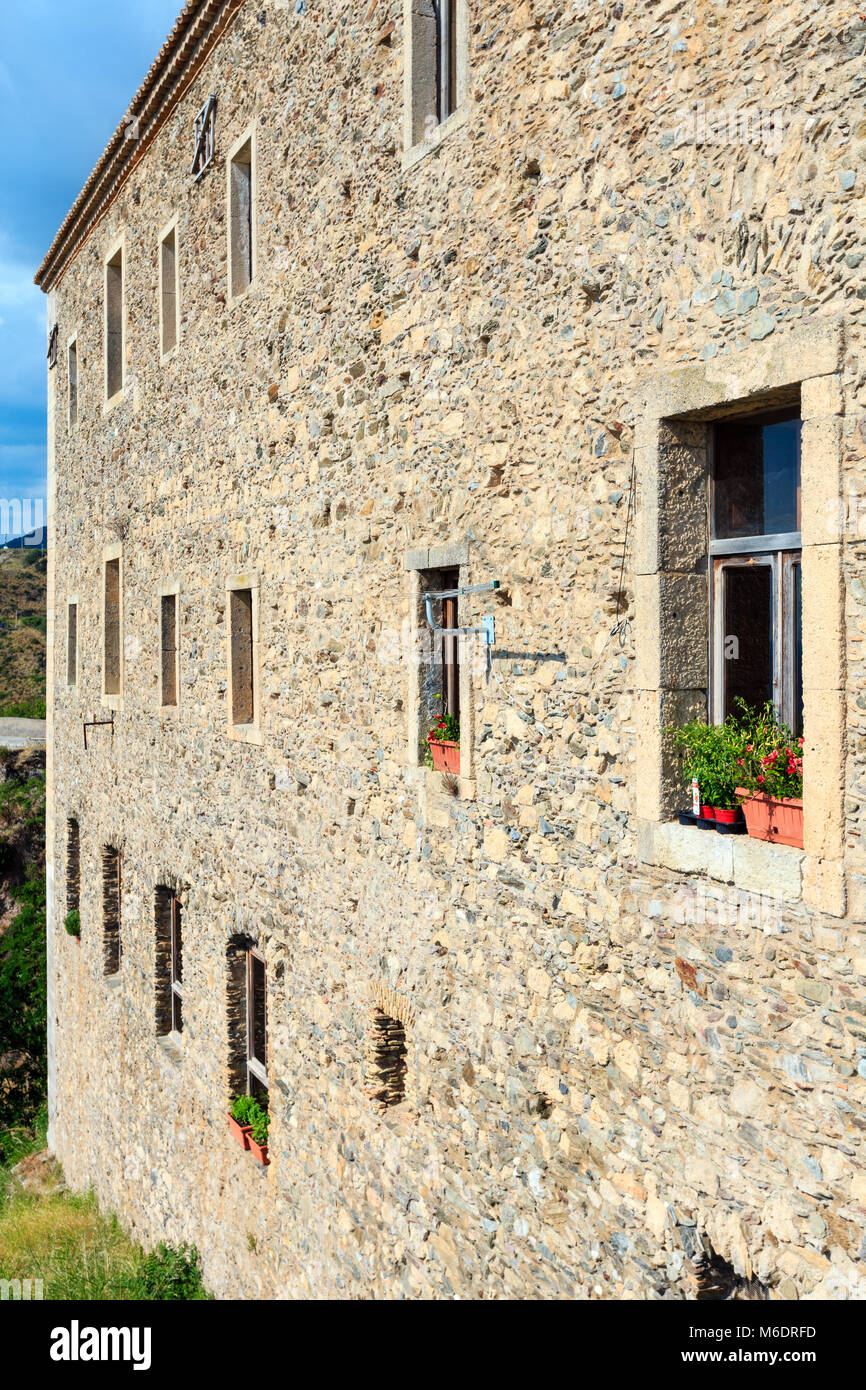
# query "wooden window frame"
(72, 645)
(249, 730)
(256, 1069)
(73, 398)
(169, 596)
(239, 286)
(175, 973)
(116, 255)
(112, 699)
(166, 352)
(782, 552)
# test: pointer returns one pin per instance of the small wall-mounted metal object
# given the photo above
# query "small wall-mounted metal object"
(487, 630)
(98, 724)
(204, 135)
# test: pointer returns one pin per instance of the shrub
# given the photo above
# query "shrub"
(73, 922)
(171, 1274)
(711, 752)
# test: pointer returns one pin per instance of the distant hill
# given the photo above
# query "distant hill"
(27, 542)
(23, 616)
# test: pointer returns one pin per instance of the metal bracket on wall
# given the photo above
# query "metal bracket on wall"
(487, 630)
(98, 724)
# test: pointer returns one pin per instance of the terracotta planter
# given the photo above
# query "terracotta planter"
(259, 1151)
(446, 756)
(240, 1132)
(778, 820)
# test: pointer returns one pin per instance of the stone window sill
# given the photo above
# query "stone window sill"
(754, 866)
(113, 982)
(418, 153)
(171, 1047)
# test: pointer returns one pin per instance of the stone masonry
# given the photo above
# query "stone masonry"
(627, 1042)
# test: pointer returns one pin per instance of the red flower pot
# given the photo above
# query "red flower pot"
(779, 820)
(259, 1151)
(707, 813)
(725, 816)
(446, 756)
(240, 1132)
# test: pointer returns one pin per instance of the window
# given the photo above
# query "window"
(73, 865)
(204, 138)
(168, 647)
(169, 963)
(386, 1060)
(440, 675)
(168, 292)
(112, 623)
(73, 381)
(52, 348)
(112, 875)
(114, 328)
(241, 195)
(71, 643)
(242, 668)
(755, 600)
(257, 1025)
(437, 36)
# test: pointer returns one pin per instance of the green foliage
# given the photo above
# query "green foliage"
(752, 749)
(22, 1005)
(248, 1110)
(72, 922)
(711, 751)
(771, 758)
(24, 709)
(171, 1274)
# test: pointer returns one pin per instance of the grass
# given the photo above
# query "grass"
(63, 1239)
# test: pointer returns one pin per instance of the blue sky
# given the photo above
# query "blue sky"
(68, 71)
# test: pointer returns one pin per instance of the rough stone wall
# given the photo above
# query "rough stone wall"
(598, 1074)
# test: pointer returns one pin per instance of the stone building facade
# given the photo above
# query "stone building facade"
(406, 310)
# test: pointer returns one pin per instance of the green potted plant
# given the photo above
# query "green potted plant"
(248, 1121)
(710, 754)
(73, 923)
(240, 1117)
(442, 753)
(259, 1136)
(770, 779)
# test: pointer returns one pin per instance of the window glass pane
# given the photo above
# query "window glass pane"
(757, 478)
(258, 1020)
(747, 614)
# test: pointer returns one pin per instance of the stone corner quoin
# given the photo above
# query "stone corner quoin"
(522, 1034)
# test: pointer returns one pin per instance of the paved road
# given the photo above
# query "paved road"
(21, 733)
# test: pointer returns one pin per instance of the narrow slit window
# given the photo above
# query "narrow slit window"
(386, 1060)
(755, 552)
(257, 1024)
(169, 963)
(71, 644)
(112, 885)
(242, 652)
(434, 73)
(241, 253)
(168, 644)
(73, 382)
(168, 291)
(73, 865)
(114, 367)
(112, 629)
